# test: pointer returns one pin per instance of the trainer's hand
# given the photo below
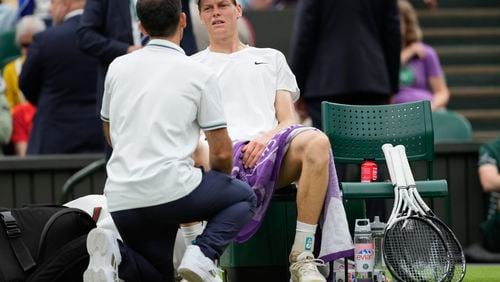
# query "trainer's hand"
(253, 151)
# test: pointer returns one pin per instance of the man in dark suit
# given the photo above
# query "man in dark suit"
(346, 51)
(60, 80)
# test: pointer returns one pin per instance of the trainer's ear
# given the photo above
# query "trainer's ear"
(182, 20)
(142, 29)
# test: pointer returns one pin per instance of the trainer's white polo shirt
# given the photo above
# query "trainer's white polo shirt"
(156, 100)
(249, 79)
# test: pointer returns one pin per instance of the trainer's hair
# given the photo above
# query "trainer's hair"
(159, 17)
(234, 2)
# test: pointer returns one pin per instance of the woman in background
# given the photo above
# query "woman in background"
(421, 76)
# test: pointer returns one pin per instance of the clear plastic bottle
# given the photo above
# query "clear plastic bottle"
(363, 251)
(380, 272)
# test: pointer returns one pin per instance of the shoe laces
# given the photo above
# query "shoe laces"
(307, 266)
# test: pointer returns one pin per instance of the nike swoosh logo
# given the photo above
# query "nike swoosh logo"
(260, 63)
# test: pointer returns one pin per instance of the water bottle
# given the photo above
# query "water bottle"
(380, 272)
(363, 251)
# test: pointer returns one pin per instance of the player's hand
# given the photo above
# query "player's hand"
(253, 151)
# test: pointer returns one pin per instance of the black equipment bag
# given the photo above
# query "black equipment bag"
(43, 243)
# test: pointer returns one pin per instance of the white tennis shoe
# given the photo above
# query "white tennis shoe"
(305, 269)
(196, 267)
(105, 257)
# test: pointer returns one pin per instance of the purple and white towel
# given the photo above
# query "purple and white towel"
(336, 240)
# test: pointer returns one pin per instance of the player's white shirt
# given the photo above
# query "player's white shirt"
(156, 101)
(249, 79)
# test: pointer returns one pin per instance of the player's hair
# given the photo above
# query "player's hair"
(198, 1)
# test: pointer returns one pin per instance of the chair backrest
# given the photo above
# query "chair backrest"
(450, 126)
(357, 132)
(8, 47)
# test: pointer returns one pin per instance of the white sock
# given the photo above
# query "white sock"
(191, 232)
(304, 238)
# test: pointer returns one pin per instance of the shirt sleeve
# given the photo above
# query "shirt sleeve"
(210, 111)
(106, 98)
(432, 64)
(487, 155)
(285, 77)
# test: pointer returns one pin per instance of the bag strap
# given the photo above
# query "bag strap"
(49, 223)
(14, 235)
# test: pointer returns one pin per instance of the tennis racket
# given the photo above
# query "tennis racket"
(458, 263)
(414, 248)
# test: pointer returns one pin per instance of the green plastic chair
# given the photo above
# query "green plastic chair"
(8, 48)
(358, 132)
(450, 127)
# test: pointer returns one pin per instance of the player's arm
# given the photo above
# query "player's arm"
(489, 177)
(285, 114)
(220, 150)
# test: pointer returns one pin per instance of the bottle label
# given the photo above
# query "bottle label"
(364, 257)
(368, 171)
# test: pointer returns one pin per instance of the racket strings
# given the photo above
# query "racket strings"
(458, 263)
(416, 251)
(458, 259)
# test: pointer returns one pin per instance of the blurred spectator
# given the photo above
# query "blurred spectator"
(60, 80)
(421, 76)
(5, 118)
(7, 16)
(22, 123)
(489, 175)
(346, 51)
(25, 29)
(37, 8)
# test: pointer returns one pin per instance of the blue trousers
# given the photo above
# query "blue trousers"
(149, 233)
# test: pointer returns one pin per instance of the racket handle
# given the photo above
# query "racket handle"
(410, 181)
(398, 169)
(388, 160)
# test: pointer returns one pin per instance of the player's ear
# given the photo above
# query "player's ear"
(239, 9)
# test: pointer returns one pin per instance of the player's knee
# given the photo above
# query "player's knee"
(318, 149)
